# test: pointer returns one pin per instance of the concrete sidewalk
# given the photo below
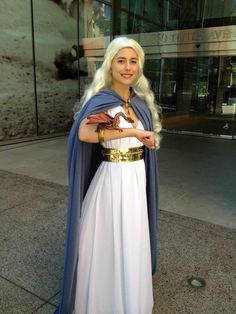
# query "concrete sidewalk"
(197, 174)
(33, 200)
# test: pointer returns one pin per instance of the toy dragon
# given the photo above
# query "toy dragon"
(106, 121)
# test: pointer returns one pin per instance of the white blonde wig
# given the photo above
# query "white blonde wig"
(103, 79)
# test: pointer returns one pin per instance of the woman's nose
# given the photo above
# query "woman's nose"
(127, 65)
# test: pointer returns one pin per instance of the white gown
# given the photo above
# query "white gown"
(114, 269)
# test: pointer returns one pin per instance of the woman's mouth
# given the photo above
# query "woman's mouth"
(127, 76)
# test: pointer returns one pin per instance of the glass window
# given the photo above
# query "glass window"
(94, 35)
(153, 10)
(137, 7)
(124, 18)
(17, 103)
(94, 19)
(196, 14)
(139, 16)
(217, 9)
(101, 19)
(171, 13)
(233, 7)
(56, 50)
(125, 4)
(199, 94)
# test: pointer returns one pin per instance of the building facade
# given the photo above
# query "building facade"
(52, 50)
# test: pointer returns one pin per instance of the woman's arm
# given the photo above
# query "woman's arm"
(88, 133)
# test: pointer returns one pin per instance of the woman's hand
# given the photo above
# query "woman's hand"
(146, 137)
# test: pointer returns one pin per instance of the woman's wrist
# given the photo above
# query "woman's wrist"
(129, 132)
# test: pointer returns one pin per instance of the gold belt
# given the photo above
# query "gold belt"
(122, 154)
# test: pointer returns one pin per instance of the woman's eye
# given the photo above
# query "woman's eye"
(133, 61)
(120, 61)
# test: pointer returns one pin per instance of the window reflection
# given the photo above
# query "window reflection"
(101, 19)
(94, 19)
(94, 31)
(190, 60)
(139, 16)
(196, 14)
(198, 94)
(17, 110)
(161, 15)
(56, 53)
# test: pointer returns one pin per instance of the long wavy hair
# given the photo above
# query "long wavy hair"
(103, 79)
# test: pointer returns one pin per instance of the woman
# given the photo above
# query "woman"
(111, 230)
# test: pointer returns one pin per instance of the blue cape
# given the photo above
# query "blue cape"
(83, 161)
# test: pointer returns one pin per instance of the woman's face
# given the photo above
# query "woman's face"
(124, 68)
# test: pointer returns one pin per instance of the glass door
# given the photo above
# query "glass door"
(198, 95)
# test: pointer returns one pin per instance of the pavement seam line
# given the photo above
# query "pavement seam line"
(199, 221)
(22, 288)
(41, 306)
(28, 143)
(50, 184)
(29, 200)
(49, 300)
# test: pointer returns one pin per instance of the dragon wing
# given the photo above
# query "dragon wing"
(101, 117)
